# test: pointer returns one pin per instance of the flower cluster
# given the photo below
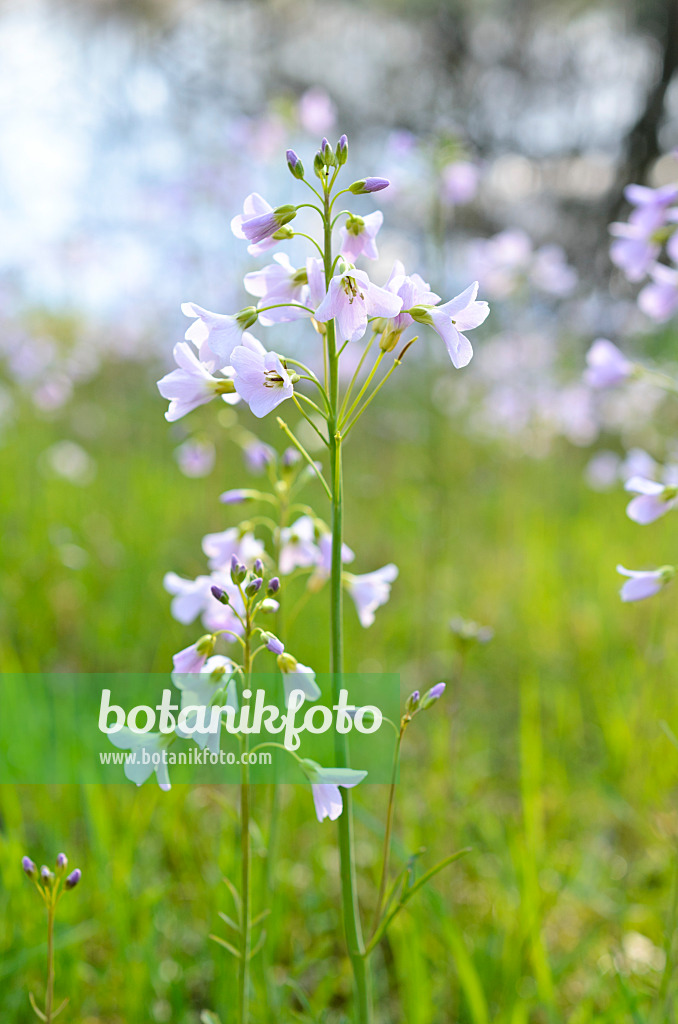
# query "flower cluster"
(645, 248)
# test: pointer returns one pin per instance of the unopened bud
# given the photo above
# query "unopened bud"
(327, 152)
(365, 185)
(432, 695)
(238, 571)
(46, 876)
(319, 165)
(219, 594)
(282, 234)
(287, 662)
(259, 567)
(205, 645)
(62, 861)
(342, 151)
(412, 703)
(273, 585)
(294, 163)
(273, 644)
(254, 586)
(29, 867)
(268, 605)
(73, 879)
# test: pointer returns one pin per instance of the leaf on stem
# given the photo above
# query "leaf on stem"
(236, 897)
(227, 920)
(60, 1008)
(258, 945)
(36, 1010)
(227, 945)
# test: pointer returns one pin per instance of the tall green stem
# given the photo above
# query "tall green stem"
(49, 997)
(350, 908)
(245, 930)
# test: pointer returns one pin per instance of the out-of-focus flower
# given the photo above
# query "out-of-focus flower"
(602, 471)
(325, 783)
(297, 677)
(192, 658)
(297, 546)
(317, 112)
(371, 590)
(195, 457)
(351, 298)
(258, 455)
(643, 583)
(190, 385)
(607, 366)
(652, 500)
(459, 181)
(357, 237)
(551, 273)
(220, 547)
(261, 380)
(191, 597)
(450, 320)
(659, 299)
(198, 689)
(149, 748)
(501, 262)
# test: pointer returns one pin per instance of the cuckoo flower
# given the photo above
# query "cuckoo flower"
(191, 384)
(659, 299)
(198, 689)
(191, 597)
(297, 546)
(450, 320)
(297, 677)
(261, 379)
(370, 591)
(358, 235)
(192, 658)
(144, 748)
(259, 222)
(278, 284)
(652, 500)
(215, 335)
(351, 298)
(220, 547)
(325, 783)
(643, 583)
(607, 366)
(413, 291)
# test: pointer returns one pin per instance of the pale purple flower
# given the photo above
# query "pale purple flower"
(215, 335)
(607, 366)
(324, 785)
(652, 500)
(436, 691)
(192, 658)
(149, 748)
(221, 547)
(371, 590)
(258, 455)
(315, 273)
(191, 597)
(643, 583)
(638, 462)
(298, 677)
(317, 112)
(190, 385)
(365, 185)
(460, 182)
(297, 546)
(277, 284)
(237, 496)
(357, 237)
(261, 380)
(659, 299)
(602, 470)
(502, 261)
(198, 690)
(351, 298)
(413, 291)
(258, 222)
(450, 320)
(651, 204)
(551, 272)
(195, 457)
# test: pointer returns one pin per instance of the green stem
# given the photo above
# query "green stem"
(246, 887)
(351, 911)
(49, 997)
(387, 834)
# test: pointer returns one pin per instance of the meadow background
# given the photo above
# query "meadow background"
(130, 134)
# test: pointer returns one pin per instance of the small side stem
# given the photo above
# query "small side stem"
(246, 886)
(49, 997)
(387, 834)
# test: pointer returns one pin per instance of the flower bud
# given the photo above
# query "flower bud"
(432, 695)
(268, 605)
(254, 586)
(238, 571)
(287, 662)
(342, 151)
(219, 594)
(62, 861)
(273, 644)
(412, 703)
(389, 340)
(273, 585)
(247, 317)
(205, 645)
(46, 876)
(294, 163)
(259, 567)
(319, 165)
(365, 185)
(290, 457)
(29, 867)
(237, 496)
(73, 879)
(283, 233)
(327, 152)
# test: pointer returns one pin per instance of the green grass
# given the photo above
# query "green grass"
(546, 755)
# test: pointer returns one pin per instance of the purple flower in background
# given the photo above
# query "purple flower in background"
(276, 284)
(607, 366)
(357, 237)
(352, 298)
(29, 867)
(659, 299)
(215, 335)
(460, 182)
(259, 221)
(221, 547)
(191, 597)
(297, 546)
(371, 590)
(261, 380)
(195, 457)
(317, 112)
(258, 455)
(237, 496)
(644, 583)
(551, 273)
(450, 320)
(325, 783)
(652, 500)
(190, 385)
(192, 658)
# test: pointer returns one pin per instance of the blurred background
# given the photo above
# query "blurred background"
(130, 133)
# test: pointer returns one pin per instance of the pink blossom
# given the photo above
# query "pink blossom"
(351, 298)
(413, 291)
(460, 182)
(607, 366)
(261, 379)
(298, 548)
(357, 237)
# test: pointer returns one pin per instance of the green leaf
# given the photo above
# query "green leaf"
(257, 946)
(259, 918)
(38, 1013)
(60, 1008)
(227, 945)
(227, 920)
